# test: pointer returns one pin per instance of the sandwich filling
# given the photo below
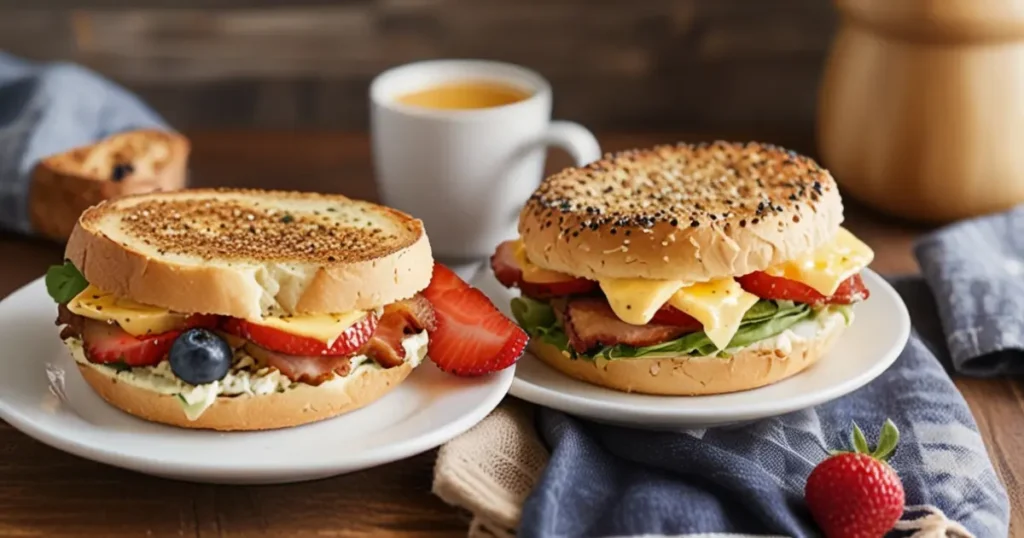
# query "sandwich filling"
(625, 318)
(135, 343)
(246, 378)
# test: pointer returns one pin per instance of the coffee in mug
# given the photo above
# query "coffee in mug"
(465, 95)
(460, 144)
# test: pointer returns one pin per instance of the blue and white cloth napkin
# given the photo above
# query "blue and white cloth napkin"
(47, 109)
(966, 310)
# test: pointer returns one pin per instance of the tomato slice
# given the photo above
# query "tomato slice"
(778, 288)
(670, 315)
(290, 344)
(547, 290)
(507, 271)
(504, 265)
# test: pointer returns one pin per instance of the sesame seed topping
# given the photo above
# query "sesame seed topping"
(653, 191)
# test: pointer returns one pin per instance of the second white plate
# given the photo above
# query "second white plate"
(863, 352)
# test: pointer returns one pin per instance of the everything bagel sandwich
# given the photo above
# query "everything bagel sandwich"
(685, 270)
(248, 310)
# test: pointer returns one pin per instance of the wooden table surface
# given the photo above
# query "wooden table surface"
(44, 492)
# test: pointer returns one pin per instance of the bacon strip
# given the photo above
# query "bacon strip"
(385, 346)
(590, 323)
(399, 320)
(73, 323)
(312, 370)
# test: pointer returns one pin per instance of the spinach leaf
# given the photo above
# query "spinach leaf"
(64, 282)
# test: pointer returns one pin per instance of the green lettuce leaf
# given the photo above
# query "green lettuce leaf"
(764, 320)
(538, 320)
(756, 327)
(64, 282)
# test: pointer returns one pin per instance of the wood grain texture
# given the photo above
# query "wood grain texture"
(46, 493)
(664, 64)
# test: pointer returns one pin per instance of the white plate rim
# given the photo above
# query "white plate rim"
(50, 434)
(668, 414)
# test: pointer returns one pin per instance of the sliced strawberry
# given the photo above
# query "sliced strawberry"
(670, 315)
(206, 321)
(106, 343)
(508, 272)
(290, 344)
(472, 337)
(778, 288)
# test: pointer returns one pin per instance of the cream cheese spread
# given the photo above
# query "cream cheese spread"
(245, 378)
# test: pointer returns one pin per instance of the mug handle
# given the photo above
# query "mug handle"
(574, 139)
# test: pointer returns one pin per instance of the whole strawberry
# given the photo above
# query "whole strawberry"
(857, 494)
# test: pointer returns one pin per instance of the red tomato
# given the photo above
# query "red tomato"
(282, 342)
(778, 288)
(507, 271)
(577, 286)
(670, 315)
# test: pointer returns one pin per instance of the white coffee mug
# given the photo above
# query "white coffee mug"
(466, 172)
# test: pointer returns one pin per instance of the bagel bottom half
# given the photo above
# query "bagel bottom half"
(686, 375)
(300, 405)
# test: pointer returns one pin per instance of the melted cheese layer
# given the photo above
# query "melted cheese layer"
(719, 304)
(827, 267)
(138, 319)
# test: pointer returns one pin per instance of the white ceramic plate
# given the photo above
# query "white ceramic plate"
(426, 410)
(865, 350)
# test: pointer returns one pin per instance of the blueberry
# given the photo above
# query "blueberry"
(199, 356)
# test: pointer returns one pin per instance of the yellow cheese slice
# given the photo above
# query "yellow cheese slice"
(139, 320)
(325, 328)
(719, 305)
(135, 318)
(827, 267)
(636, 300)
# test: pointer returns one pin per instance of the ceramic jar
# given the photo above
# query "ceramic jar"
(921, 110)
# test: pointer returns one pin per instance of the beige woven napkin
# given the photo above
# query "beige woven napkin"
(490, 469)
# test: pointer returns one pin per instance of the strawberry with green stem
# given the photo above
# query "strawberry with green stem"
(857, 494)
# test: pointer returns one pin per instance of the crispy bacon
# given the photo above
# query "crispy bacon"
(72, 323)
(399, 320)
(312, 370)
(590, 323)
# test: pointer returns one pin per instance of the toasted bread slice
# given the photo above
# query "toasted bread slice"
(133, 162)
(251, 253)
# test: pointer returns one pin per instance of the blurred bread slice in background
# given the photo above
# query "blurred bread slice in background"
(132, 162)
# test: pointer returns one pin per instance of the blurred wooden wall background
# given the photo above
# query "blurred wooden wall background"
(614, 64)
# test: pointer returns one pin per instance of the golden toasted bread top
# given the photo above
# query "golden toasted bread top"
(255, 226)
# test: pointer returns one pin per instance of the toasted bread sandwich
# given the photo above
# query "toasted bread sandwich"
(685, 270)
(247, 310)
